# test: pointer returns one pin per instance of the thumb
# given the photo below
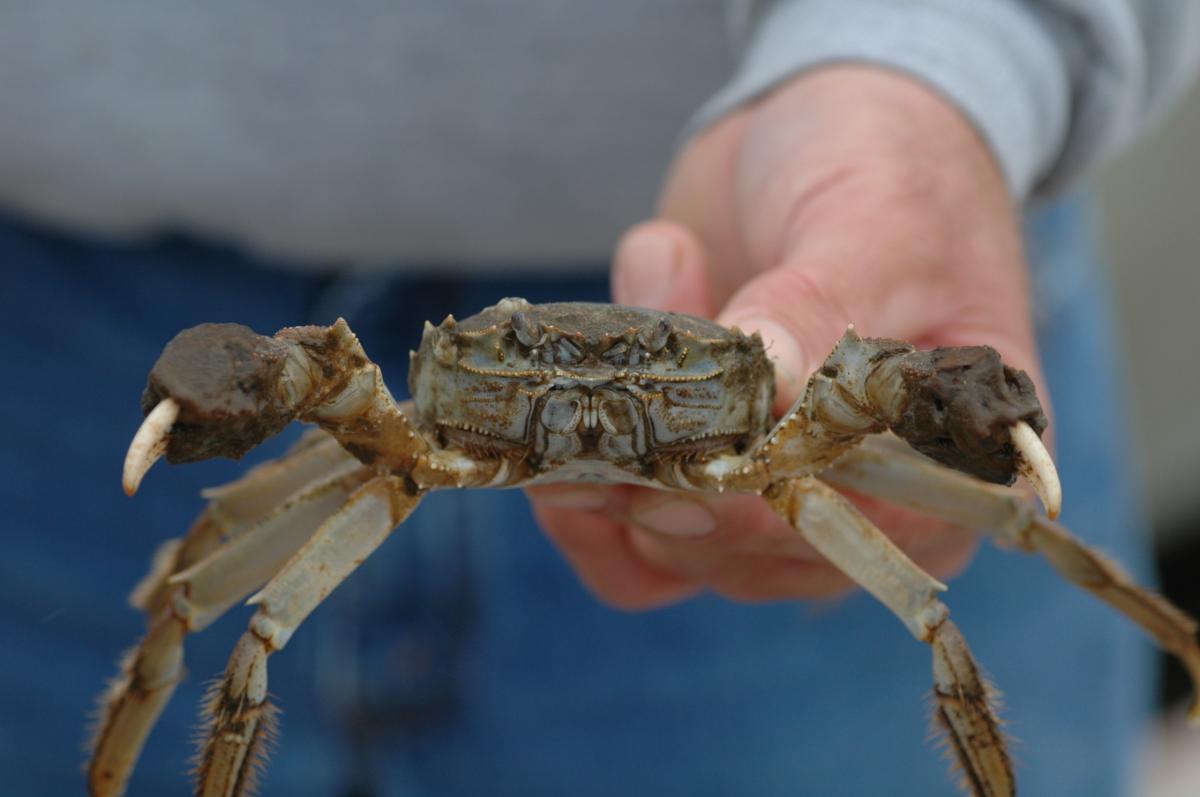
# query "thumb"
(803, 307)
(800, 314)
(661, 265)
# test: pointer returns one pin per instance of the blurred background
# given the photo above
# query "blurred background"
(1150, 219)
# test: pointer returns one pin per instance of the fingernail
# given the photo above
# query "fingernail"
(646, 266)
(582, 499)
(677, 518)
(782, 348)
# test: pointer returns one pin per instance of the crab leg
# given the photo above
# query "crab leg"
(885, 470)
(235, 507)
(133, 703)
(221, 389)
(187, 601)
(831, 524)
(241, 716)
(214, 584)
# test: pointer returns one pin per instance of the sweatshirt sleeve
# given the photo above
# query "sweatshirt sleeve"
(1054, 87)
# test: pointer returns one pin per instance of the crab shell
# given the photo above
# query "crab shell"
(581, 395)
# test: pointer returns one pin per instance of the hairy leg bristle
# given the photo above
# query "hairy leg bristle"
(966, 718)
(222, 719)
(238, 730)
(147, 676)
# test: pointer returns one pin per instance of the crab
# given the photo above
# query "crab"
(523, 394)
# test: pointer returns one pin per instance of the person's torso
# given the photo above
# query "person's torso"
(457, 132)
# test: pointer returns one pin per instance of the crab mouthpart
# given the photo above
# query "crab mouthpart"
(1035, 464)
(149, 444)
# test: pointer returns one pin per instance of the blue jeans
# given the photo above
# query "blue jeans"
(464, 658)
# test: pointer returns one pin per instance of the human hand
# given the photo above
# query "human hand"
(850, 194)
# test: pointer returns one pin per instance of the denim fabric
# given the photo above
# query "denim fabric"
(464, 658)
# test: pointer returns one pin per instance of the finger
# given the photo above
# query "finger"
(845, 265)
(939, 547)
(573, 499)
(702, 525)
(802, 308)
(749, 553)
(800, 319)
(580, 497)
(696, 541)
(692, 522)
(723, 541)
(599, 551)
(944, 557)
(742, 576)
(914, 532)
(661, 265)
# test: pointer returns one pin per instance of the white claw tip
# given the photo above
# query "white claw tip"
(1035, 464)
(148, 444)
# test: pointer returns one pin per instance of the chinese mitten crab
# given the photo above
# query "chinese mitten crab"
(522, 394)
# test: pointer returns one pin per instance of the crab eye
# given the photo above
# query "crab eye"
(527, 331)
(617, 354)
(566, 352)
(653, 338)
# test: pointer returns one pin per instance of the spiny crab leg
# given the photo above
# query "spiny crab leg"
(1035, 464)
(965, 701)
(149, 444)
(237, 507)
(240, 711)
(202, 403)
(234, 548)
(884, 468)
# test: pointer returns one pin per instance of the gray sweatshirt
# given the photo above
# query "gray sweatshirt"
(474, 132)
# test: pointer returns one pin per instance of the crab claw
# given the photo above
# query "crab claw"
(149, 444)
(1035, 464)
(960, 404)
(232, 386)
